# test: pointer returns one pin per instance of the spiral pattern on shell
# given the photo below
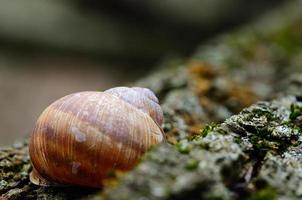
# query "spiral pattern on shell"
(80, 138)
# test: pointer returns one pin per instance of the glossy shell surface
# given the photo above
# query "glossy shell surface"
(81, 138)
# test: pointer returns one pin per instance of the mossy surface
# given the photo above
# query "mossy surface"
(217, 165)
(221, 143)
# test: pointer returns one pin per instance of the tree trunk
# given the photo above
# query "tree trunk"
(212, 151)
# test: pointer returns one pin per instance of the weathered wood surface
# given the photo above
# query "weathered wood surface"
(252, 155)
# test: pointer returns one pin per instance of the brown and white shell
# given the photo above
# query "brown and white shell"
(82, 137)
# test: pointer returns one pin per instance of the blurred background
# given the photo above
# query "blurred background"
(51, 48)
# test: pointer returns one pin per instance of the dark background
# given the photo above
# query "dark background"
(51, 48)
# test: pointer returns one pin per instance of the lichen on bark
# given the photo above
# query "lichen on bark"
(213, 151)
(234, 160)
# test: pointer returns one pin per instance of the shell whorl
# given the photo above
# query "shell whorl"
(81, 137)
(142, 98)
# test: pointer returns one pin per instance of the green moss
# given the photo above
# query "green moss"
(183, 147)
(238, 140)
(244, 44)
(287, 39)
(192, 164)
(296, 111)
(264, 194)
(263, 145)
(292, 126)
(208, 128)
(262, 112)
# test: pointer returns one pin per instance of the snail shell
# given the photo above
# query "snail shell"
(82, 137)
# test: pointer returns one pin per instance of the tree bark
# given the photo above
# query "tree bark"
(212, 151)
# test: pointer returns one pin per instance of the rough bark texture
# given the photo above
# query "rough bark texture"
(255, 154)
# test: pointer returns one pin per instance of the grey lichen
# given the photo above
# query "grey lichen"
(217, 165)
(251, 155)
